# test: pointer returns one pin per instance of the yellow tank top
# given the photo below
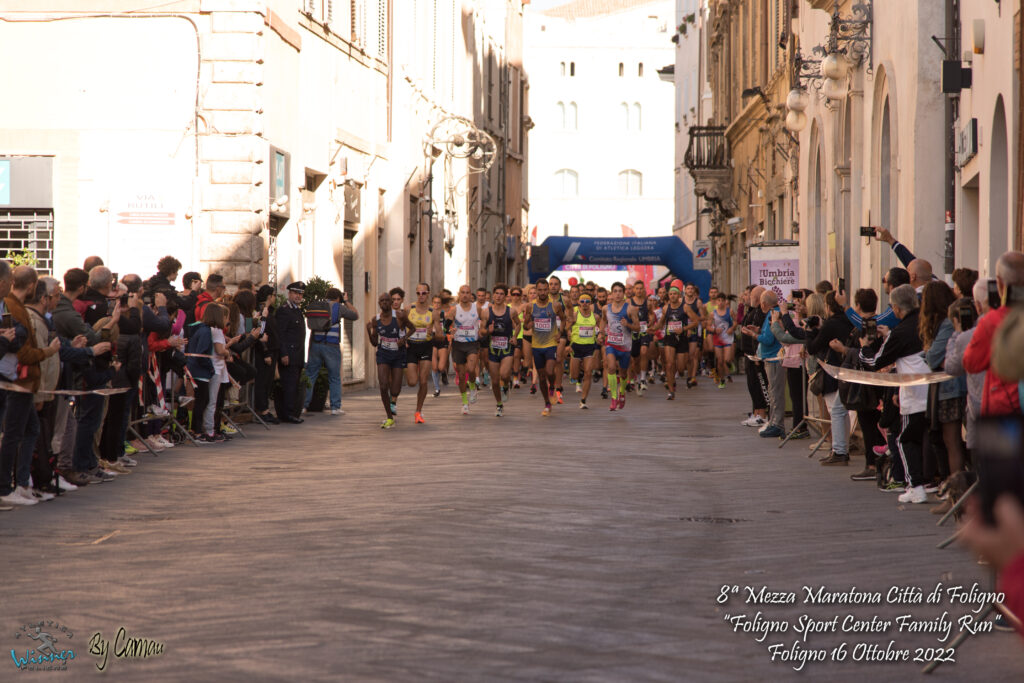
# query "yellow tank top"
(584, 328)
(423, 322)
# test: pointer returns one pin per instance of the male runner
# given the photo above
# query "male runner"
(540, 321)
(641, 338)
(397, 295)
(483, 298)
(516, 304)
(584, 325)
(440, 356)
(384, 331)
(695, 312)
(620, 318)
(556, 294)
(709, 333)
(724, 328)
(502, 328)
(420, 349)
(467, 316)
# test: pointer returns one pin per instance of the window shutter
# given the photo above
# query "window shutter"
(382, 29)
(310, 8)
(328, 12)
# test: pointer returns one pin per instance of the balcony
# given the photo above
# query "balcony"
(710, 162)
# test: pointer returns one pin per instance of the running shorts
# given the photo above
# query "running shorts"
(393, 359)
(583, 350)
(621, 356)
(461, 351)
(419, 351)
(495, 354)
(542, 356)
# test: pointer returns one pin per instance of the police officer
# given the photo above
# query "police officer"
(291, 329)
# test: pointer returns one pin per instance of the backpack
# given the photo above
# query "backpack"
(318, 315)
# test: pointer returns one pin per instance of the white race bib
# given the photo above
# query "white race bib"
(586, 332)
(389, 343)
(675, 326)
(499, 342)
(420, 334)
(542, 324)
(643, 327)
(615, 338)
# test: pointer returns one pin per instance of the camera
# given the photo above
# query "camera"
(147, 299)
(867, 231)
(870, 329)
(6, 321)
(812, 321)
(994, 301)
(968, 316)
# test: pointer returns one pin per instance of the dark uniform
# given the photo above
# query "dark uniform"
(291, 333)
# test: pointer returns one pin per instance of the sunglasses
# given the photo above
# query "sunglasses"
(585, 300)
(517, 293)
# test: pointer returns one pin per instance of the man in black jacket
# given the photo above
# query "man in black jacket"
(265, 355)
(291, 330)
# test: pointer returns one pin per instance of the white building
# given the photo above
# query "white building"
(602, 151)
(692, 108)
(265, 140)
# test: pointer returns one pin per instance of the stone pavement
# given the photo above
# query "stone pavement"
(589, 546)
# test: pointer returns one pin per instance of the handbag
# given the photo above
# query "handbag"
(816, 382)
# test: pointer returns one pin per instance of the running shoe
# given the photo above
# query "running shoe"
(800, 434)
(547, 411)
(472, 395)
(394, 409)
(388, 423)
(418, 419)
(500, 411)
(691, 383)
(915, 494)
(604, 392)
(880, 450)
(721, 385)
(583, 404)
(579, 389)
(444, 378)
(629, 387)
(127, 461)
(622, 402)
(614, 405)
(129, 449)
(670, 396)
(754, 421)
(867, 474)
(465, 409)
(227, 429)
(437, 392)
(892, 487)
(558, 395)
(515, 383)
(504, 394)
(533, 388)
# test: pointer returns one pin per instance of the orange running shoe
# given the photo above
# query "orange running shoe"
(419, 419)
(558, 396)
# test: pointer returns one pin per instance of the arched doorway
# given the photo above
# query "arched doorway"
(817, 224)
(886, 215)
(999, 193)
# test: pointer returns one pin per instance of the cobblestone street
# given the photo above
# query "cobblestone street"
(587, 546)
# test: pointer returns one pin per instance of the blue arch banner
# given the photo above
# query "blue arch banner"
(670, 252)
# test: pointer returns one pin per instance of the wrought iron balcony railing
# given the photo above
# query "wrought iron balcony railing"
(708, 149)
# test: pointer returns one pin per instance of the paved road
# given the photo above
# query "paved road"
(590, 546)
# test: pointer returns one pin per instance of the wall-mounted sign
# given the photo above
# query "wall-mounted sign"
(775, 267)
(280, 181)
(967, 142)
(702, 254)
(26, 182)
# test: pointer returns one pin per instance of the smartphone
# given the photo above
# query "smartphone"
(796, 294)
(1000, 461)
(994, 300)
(6, 321)
(124, 300)
(105, 334)
(968, 315)
(111, 304)
(147, 299)
(812, 320)
(867, 231)
(870, 329)
(842, 285)
(263, 326)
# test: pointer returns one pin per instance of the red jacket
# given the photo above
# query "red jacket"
(1000, 396)
(202, 300)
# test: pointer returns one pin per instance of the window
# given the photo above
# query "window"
(630, 115)
(26, 230)
(563, 69)
(572, 68)
(631, 183)
(624, 115)
(569, 121)
(622, 69)
(640, 70)
(636, 116)
(567, 183)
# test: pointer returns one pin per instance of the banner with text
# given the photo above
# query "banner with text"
(775, 267)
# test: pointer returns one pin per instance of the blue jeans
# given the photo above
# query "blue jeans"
(328, 356)
(21, 430)
(89, 416)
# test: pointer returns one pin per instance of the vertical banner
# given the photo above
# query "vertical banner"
(775, 267)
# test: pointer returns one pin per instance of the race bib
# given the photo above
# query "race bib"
(643, 327)
(615, 338)
(675, 326)
(586, 332)
(499, 342)
(389, 343)
(465, 332)
(542, 324)
(420, 334)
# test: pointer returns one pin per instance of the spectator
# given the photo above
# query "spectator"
(819, 339)
(265, 354)
(757, 380)
(325, 350)
(93, 303)
(963, 282)
(200, 361)
(192, 285)
(936, 329)
(167, 270)
(893, 278)
(963, 332)
(21, 366)
(902, 345)
(768, 350)
(920, 274)
(92, 262)
(1000, 395)
(214, 290)
(291, 331)
(793, 364)
(244, 286)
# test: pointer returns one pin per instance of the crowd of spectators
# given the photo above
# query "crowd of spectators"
(96, 368)
(919, 440)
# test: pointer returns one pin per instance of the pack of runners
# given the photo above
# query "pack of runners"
(511, 337)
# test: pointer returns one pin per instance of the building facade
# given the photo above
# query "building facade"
(270, 141)
(602, 150)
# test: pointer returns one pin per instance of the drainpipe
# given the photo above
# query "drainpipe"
(951, 111)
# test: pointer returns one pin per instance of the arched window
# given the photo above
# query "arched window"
(572, 68)
(624, 115)
(567, 183)
(631, 183)
(640, 70)
(622, 69)
(571, 119)
(636, 116)
(561, 113)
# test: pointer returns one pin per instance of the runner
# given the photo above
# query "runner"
(467, 316)
(530, 296)
(384, 333)
(556, 294)
(397, 295)
(540, 319)
(439, 372)
(695, 312)
(483, 298)
(620, 318)
(420, 349)
(657, 338)
(641, 339)
(724, 329)
(584, 325)
(502, 328)
(516, 304)
(708, 350)
(676, 344)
